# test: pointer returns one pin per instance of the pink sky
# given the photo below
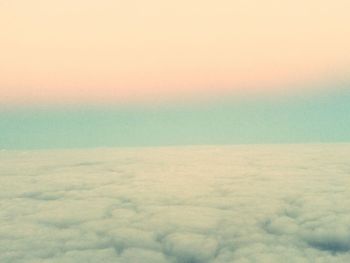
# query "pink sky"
(95, 51)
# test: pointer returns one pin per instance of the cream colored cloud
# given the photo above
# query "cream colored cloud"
(179, 204)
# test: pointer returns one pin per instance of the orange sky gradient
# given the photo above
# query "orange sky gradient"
(123, 51)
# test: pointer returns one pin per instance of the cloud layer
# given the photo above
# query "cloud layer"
(176, 205)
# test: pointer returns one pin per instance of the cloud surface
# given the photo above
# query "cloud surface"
(176, 204)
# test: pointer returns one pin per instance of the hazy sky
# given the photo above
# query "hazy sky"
(89, 51)
(88, 73)
(313, 118)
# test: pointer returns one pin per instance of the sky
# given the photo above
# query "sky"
(171, 72)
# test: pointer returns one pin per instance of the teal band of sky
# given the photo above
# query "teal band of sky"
(298, 119)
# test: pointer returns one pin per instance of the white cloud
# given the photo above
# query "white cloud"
(176, 205)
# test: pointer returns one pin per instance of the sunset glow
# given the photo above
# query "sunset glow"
(124, 51)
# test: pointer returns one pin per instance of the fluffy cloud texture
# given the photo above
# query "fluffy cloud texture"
(177, 205)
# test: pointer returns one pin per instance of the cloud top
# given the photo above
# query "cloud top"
(176, 205)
